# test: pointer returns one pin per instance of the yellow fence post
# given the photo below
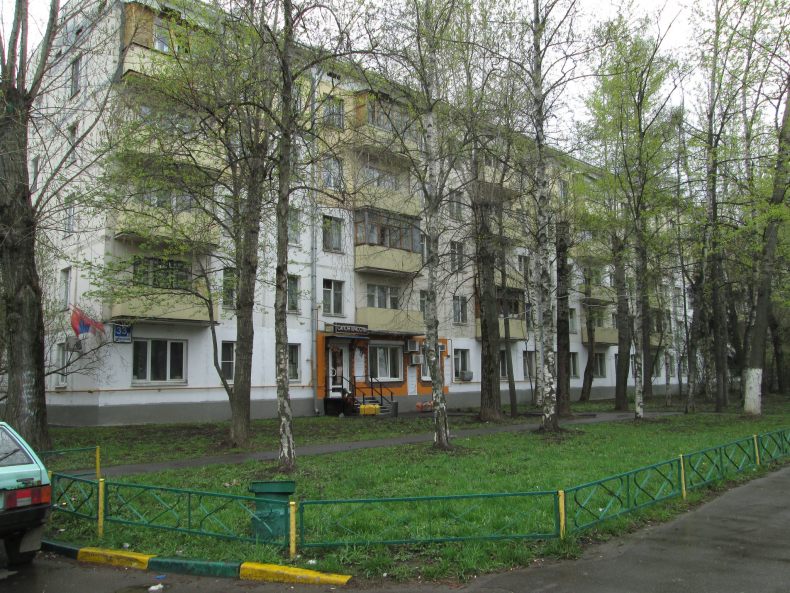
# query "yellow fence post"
(292, 530)
(100, 509)
(683, 477)
(561, 504)
(756, 451)
(98, 462)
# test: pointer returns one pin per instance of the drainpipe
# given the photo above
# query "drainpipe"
(313, 252)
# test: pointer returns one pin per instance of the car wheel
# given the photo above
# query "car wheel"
(15, 557)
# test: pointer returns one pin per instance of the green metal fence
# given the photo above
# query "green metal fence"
(428, 519)
(192, 511)
(594, 502)
(75, 495)
(413, 520)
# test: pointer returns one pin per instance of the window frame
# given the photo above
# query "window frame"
(599, 369)
(292, 294)
(334, 289)
(460, 312)
(460, 362)
(230, 360)
(294, 363)
(147, 380)
(332, 234)
(75, 77)
(394, 354)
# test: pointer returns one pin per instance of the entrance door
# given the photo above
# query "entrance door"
(337, 369)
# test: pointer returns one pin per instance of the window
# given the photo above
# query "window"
(597, 317)
(599, 364)
(456, 256)
(333, 297)
(333, 233)
(228, 360)
(68, 215)
(75, 72)
(385, 362)
(572, 320)
(455, 207)
(71, 137)
(292, 301)
(35, 167)
(294, 362)
(375, 177)
(614, 320)
(658, 363)
(423, 301)
(672, 367)
(564, 189)
(376, 228)
(65, 288)
(574, 365)
(159, 360)
(510, 302)
(162, 273)
(523, 265)
(229, 288)
(333, 112)
(529, 364)
(332, 174)
(459, 309)
(382, 297)
(161, 35)
(61, 358)
(294, 225)
(460, 362)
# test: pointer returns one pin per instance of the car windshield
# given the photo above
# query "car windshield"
(11, 452)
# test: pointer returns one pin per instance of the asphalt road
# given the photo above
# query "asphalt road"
(737, 543)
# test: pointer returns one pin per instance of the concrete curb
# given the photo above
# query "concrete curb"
(251, 571)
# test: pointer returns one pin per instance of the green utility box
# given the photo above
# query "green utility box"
(270, 522)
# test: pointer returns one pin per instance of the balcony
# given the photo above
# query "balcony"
(518, 329)
(166, 307)
(162, 224)
(391, 320)
(603, 335)
(598, 293)
(390, 261)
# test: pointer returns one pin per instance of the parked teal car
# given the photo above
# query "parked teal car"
(25, 496)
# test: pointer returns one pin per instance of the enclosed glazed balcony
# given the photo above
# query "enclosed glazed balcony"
(387, 243)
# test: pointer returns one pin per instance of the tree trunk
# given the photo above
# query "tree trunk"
(641, 325)
(485, 262)
(287, 454)
(752, 403)
(544, 282)
(441, 428)
(623, 327)
(589, 325)
(776, 338)
(26, 408)
(563, 323)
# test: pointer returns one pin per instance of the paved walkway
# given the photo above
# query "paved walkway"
(338, 447)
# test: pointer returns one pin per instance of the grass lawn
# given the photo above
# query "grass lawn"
(163, 442)
(497, 463)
